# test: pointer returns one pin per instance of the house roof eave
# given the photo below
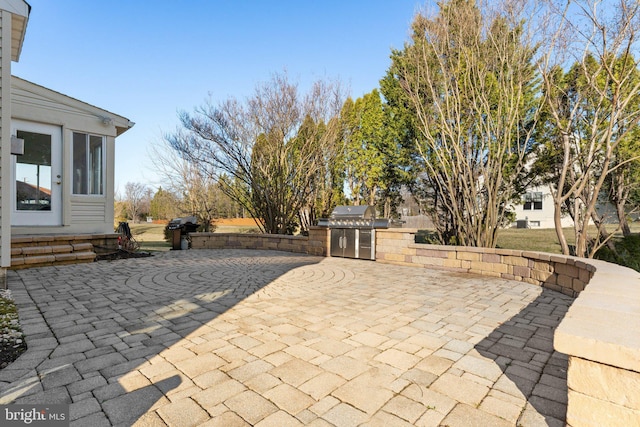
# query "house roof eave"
(121, 123)
(20, 11)
(122, 129)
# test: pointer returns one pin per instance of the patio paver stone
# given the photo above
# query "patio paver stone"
(238, 337)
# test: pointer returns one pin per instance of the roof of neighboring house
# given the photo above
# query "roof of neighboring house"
(30, 191)
(57, 99)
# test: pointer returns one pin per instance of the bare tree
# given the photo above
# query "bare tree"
(592, 106)
(195, 189)
(134, 194)
(145, 203)
(470, 81)
(256, 149)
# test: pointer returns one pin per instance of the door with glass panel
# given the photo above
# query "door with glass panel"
(37, 175)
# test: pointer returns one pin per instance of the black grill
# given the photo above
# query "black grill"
(179, 228)
(187, 223)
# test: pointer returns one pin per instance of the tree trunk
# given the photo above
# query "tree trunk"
(620, 200)
(603, 234)
(557, 220)
(622, 219)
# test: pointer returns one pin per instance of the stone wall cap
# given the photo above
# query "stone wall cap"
(603, 322)
(397, 230)
(508, 252)
(618, 285)
(608, 302)
(603, 336)
(431, 246)
(540, 256)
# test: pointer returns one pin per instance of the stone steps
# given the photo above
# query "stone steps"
(36, 251)
(32, 256)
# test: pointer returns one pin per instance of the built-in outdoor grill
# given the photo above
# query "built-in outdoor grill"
(353, 231)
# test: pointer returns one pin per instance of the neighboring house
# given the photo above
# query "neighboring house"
(56, 161)
(536, 210)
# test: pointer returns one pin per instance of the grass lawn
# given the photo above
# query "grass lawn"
(543, 240)
(150, 236)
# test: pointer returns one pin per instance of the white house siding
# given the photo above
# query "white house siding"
(5, 138)
(85, 212)
(540, 218)
(80, 214)
(13, 21)
(543, 218)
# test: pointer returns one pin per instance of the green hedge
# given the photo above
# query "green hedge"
(627, 252)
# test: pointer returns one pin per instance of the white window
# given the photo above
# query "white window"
(88, 164)
(533, 200)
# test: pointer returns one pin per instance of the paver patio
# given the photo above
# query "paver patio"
(235, 337)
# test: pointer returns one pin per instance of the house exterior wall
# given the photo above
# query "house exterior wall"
(80, 213)
(13, 21)
(5, 138)
(543, 218)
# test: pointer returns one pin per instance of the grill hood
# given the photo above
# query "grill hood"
(353, 212)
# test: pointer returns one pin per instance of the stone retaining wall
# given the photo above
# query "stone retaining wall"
(315, 244)
(600, 332)
(601, 335)
(568, 275)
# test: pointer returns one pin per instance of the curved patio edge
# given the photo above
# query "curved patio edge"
(599, 332)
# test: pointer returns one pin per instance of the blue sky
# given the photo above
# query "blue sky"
(147, 60)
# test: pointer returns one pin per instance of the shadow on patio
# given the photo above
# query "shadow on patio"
(109, 318)
(523, 348)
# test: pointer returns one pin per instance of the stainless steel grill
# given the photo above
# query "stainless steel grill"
(353, 231)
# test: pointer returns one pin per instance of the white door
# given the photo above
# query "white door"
(37, 175)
